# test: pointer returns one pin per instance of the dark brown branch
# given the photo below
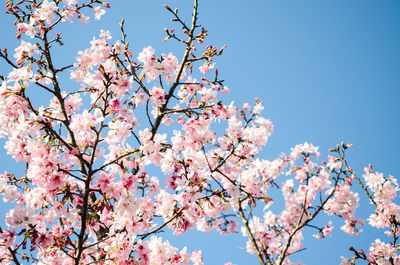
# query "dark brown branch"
(252, 239)
(12, 252)
(180, 71)
(164, 224)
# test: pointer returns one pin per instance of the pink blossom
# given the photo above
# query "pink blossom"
(304, 148)
(83, 19)
(225, 90)
(157, 96)
(197, 257)
(20, 217)
(206, 67)
(69, 13)
(21, 74)
(46, 11)
(380, 252)
(98, 12)
(28, 29)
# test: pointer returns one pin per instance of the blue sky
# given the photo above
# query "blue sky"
(327, 71)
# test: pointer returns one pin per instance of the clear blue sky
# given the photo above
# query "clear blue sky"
(327, 71)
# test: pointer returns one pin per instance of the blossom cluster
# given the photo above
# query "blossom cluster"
(144, 144)
(382, 193)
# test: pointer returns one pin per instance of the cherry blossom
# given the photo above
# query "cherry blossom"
(143, 143)
(46, 12)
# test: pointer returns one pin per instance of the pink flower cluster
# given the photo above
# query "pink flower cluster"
(116, 161)
(154, 67)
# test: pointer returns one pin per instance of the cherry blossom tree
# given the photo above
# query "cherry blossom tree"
(90, 194)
